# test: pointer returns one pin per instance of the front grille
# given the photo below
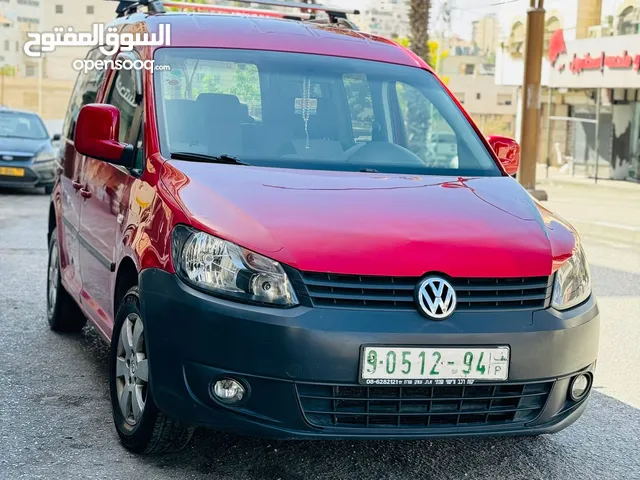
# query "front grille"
(15, 158)
(474, 294)
(421, 407)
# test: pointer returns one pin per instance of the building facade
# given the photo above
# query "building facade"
(485, 34)
(471, 79)
(591, 70)
(43, 84)
(388, 18)
(79, 14)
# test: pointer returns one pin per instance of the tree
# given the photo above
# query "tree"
(419, 24)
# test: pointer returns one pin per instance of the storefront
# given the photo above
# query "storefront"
(602, 76)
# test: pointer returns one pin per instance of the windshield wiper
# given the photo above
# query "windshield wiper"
(203, 157)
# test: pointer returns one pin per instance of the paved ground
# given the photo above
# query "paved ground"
(55, 421)
(609, 210)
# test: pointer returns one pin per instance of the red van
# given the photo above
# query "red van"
(262, 231)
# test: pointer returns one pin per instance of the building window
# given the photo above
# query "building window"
(504, 99)
(460, 97)
(90, 10)
(550, 26)
(628, 22)
(28, 20)
(59, 9)
(467, 68)
(17, 46)
(515, 43)
(31, 3)
(7, 45)
(478, 96)
(30, 70)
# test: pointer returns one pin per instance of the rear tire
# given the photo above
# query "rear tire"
(141, 426)
(63, 313)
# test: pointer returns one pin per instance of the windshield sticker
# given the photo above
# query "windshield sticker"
(310, 106)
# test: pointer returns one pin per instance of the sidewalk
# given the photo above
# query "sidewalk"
(609, 210)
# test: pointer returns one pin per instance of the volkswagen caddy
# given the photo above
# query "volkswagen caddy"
(292, 229)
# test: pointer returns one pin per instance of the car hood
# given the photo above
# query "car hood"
(22, 146)
(374, 224)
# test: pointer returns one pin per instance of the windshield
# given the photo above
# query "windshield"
(21, 125)
(305, 111)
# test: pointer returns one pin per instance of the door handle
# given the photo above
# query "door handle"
(85, 193)
(76, 185)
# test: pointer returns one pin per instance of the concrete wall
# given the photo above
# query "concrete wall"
(22, 93)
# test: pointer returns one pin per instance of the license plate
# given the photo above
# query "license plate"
(12, 172)
(382, 365)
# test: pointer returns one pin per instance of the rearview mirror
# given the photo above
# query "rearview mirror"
(508, 152)
(96, 135)
(56, 138)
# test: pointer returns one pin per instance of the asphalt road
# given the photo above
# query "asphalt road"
(55, 419)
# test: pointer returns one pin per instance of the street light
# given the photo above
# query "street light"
(530, 127)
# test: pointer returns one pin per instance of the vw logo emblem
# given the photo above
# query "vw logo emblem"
(436, 298)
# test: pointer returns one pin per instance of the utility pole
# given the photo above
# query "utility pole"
(531, 101)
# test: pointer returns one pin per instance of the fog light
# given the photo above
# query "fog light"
(579, 387)
(228, 391)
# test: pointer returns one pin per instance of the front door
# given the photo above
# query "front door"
(85, 91)
(107, 188)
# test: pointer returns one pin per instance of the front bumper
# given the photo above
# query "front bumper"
(41, 174)
(299, 363)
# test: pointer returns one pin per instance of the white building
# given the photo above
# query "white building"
(485, 34)
(388, 18)
(18, 17)
(79, 14)
(585, 31)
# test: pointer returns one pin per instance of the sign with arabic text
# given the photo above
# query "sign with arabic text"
(602, 62)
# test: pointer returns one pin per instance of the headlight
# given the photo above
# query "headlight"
(573, 282)
(224, 268)
(45, 156)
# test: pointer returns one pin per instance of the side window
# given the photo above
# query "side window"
(360, 106)
(85, 92)
(429, 136)
(123, 96)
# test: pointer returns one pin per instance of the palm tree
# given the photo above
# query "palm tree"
(419, 22)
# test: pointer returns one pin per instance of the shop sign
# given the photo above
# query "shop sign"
(603, 62)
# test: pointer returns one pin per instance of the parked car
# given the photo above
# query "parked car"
(282, 275)
(27, 154)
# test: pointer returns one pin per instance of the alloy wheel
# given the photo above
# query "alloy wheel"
(132, 369)
(52, 284)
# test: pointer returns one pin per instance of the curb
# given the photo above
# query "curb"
(607, 232)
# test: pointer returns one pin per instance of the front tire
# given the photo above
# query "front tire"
(63, 313)
(141, 426)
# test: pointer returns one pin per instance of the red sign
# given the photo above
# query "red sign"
(602, 61)
(558, 48)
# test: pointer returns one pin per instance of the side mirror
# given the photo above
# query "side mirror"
(508, 152)
(96, 135)
(56, 137)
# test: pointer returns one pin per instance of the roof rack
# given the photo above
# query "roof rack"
(307, 11)
(126, 7)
